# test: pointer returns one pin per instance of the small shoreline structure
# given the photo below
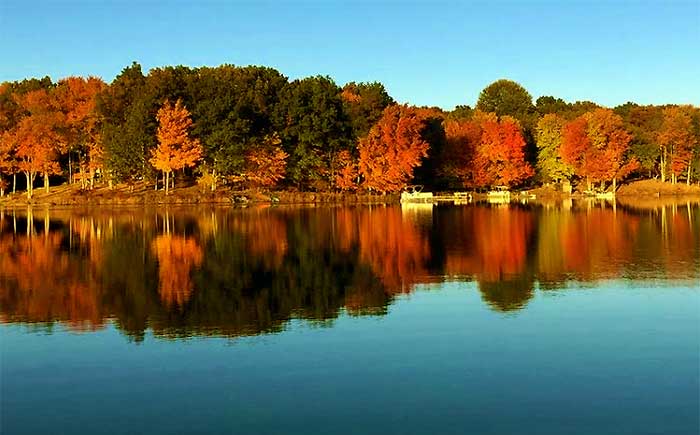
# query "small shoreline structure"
(499, 196)
(415, 194)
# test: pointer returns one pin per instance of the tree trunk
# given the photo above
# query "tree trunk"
(687, 180)
(14, 183)
(29, 185)
(173, 179)
(167, 181)
(663, 165)
(213, 179)
(70, 168)
(46, 182)
(614, 186)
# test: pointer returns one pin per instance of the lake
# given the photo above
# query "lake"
(579, 317)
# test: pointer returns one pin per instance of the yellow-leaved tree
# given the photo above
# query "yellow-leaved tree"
(176, 149)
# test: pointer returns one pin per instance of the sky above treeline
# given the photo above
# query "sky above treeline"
(425, 53)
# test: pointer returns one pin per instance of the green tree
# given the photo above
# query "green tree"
(233, 111)
(314, 128)
(364, 104)
(643, 122)
(550, 165)
(506, 97)
(128, 131)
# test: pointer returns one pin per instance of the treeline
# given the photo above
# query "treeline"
(252, 127)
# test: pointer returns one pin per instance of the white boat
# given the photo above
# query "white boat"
(605, 195)
(499, 196)
(415, 194)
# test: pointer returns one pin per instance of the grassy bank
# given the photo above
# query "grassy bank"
(143, 194)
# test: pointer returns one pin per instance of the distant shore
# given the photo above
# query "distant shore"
(144, 195)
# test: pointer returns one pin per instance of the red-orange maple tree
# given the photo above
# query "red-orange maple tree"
(502, 148)
(595, 145)
(393, 148)
(485, 151)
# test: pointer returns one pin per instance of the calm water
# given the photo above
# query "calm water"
(578, 318)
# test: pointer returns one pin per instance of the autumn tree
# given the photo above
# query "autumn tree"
(34, 141)
(460, 152)
(596, 145)
(502, 152)
(574, 147)
(175, 150)
(485, 151)
(549, 138)
(677, 142)
(610, 145)
(75, 98)
(35, 138)
(509, 98)
(346, 171)
(265, 163)
(393, 148)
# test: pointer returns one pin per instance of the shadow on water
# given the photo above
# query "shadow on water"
(237, 272)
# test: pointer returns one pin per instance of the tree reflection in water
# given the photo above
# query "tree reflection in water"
(248, 271)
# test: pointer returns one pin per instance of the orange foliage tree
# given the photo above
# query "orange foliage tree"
(502, 152)
(36, 138)
(265, 163)
(485, 151)
(175, 150)
(677, 142)
(610, 141)
(345, 171)
(595, 145)
(460, 151)
(393, 148)
(574, 147)
(76, 97)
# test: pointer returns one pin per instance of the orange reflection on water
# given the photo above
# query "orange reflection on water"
(247, 271)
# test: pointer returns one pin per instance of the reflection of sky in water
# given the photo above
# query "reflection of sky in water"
(615, 358)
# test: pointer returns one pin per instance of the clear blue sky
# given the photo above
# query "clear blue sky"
(426, 53)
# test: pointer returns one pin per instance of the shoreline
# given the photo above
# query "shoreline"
(144, 196)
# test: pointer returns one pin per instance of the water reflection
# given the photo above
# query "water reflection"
(239, 272)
